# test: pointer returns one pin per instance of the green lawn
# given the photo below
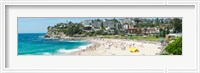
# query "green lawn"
(147, 38)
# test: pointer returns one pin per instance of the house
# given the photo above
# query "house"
(86, 22)
(88, 28)
(87, 25)
(170, 37)
(151, 30)
(125, 26)
(119, 26)
(97, 24)
(127, 20)
(108, 24)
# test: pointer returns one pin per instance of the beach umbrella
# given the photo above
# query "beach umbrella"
(132, 49)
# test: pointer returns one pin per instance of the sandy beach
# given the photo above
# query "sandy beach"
(120, 47)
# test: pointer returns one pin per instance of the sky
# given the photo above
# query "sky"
(39, 25)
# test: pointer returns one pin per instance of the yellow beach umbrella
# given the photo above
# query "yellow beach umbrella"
(132, 49)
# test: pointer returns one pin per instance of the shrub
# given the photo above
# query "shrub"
(175, 47)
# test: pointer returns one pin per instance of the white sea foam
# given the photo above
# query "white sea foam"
(49, 38)
(64, 51)
(85, 46)
(29, 54)
(46, 53)
(41, 36)
(76, 41)
(61, 40)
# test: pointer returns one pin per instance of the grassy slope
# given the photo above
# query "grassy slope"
(148, 38)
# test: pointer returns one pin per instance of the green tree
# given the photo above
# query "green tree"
(175, 47)
(177, 24)
(157, 21)
(100, 32)
(161, 32)
(102, 27)
(137, 20)
(98, 20)
(116, 31)
(48, 28)
(164, 33)
(70, 22)
(167, 32)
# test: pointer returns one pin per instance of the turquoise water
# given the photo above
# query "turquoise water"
(36, 44)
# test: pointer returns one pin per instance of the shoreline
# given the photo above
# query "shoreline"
(110, 46)
(104, 46)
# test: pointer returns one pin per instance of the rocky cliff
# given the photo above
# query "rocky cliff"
(54, 33)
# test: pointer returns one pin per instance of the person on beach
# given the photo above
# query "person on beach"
(133, 44)
(79, 53)
(123, 48)
(109, 45)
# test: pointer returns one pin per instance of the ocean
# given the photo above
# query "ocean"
(36, 44)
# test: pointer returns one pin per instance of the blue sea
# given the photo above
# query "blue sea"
(36, 44)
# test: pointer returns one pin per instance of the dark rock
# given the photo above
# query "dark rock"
(47, 36)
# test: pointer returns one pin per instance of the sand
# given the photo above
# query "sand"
(119, 47)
